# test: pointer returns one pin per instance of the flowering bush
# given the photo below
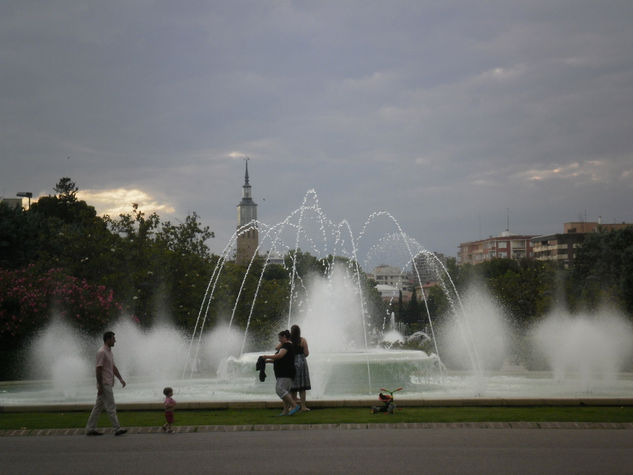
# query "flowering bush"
(28, 297)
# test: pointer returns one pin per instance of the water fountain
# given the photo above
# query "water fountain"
(351, 357)
(391, 336)
(340, 362)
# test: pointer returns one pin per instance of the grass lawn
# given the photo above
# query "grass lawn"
(58, 420)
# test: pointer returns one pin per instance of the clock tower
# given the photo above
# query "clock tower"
(248, 240)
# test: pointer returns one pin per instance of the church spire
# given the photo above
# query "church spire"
(248, 239)
(246, 188)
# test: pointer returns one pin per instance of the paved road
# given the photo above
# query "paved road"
(384, 451)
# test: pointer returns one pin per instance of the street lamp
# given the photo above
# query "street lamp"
(25, 194)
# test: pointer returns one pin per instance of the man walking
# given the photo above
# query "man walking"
(105, 372)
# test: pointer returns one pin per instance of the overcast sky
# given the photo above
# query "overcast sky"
(445, 113)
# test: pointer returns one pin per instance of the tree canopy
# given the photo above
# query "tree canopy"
(137, 265)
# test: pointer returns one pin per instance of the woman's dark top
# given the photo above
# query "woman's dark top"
(298, 349)
(285, 367)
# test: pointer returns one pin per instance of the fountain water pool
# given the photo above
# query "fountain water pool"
(504, 385)
(153, 359)
(583, 356)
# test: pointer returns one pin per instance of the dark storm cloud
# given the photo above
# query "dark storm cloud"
(444, 113)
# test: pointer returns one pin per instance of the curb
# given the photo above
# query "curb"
(296, 427)
(334, 403)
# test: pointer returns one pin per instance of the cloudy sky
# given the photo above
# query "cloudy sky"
(445, 113)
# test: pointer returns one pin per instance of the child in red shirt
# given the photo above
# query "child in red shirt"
(170, 404)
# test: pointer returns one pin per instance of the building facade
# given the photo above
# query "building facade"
(15, 203)
(562, 247)
(391, 276)
(248, 237)
(504, 246)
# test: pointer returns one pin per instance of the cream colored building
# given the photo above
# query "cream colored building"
(15, 203)
(389, 275)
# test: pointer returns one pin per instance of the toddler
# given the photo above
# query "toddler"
(170, 404)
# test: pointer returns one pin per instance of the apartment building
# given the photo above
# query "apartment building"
(389, 275)
(504, 246)
(562, 247)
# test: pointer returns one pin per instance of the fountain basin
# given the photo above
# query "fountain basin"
(349, 373)
(502, 386)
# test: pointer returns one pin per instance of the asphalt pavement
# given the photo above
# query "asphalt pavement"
(437, 449)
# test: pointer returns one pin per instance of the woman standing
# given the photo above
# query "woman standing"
(301, 382)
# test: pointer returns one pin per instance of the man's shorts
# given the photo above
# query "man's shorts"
(283, 386)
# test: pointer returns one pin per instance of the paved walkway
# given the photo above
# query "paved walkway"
(444, 449)
(340, 427)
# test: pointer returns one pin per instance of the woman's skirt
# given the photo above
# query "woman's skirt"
(301, 382)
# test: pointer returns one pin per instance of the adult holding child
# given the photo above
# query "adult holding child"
(301, 381)
(284, 367)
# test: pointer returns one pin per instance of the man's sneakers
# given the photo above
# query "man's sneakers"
(120, 432)
(293, 411)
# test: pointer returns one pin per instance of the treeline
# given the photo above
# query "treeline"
(601, 275)
(60, 258)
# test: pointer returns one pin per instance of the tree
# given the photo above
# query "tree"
(29, 296)
(67, 233)
(523, 287)
(305, 263)
(187, 238)
(90, 268)
(413, 309)
(402, 311)
(602, 270)
(437, 302)
(66, 190)
(18, 237)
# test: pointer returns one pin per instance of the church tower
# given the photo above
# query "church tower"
(248, 241)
